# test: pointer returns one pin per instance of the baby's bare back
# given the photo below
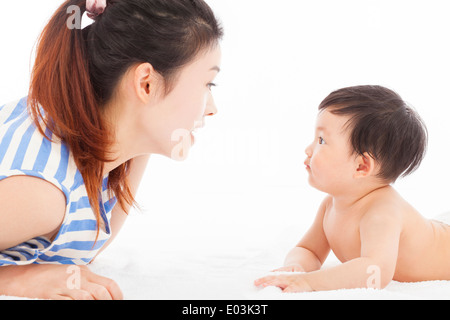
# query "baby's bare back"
(424, 251)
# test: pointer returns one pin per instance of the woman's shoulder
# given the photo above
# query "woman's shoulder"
(12, 109)
(24, 151)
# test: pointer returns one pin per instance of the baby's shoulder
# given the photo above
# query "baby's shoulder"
(326, 204)
(385, 202)
(327, 201)
(386, 197)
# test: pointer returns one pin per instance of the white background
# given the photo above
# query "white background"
(244, 185)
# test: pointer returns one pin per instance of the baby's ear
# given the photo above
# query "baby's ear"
(365, 165)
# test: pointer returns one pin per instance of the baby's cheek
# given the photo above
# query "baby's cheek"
(316, 164)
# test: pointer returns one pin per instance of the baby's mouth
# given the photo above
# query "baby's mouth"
(307, 165)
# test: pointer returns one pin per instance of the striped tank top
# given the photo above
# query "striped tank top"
(25, 152)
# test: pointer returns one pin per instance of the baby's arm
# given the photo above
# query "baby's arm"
(313, 249)
(380, 236)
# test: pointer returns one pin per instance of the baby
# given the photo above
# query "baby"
(366, 137)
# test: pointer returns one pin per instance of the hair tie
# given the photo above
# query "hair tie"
(95, 8)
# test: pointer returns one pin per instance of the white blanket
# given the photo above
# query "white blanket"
(189, 274)
(161, 258)
(176, 270)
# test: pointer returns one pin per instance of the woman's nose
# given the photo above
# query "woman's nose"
(211, 108)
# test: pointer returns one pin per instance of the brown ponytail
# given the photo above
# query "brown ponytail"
(61, 84)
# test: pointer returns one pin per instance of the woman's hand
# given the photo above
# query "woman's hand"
(57, 282)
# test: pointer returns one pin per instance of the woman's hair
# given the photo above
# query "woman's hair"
(77, 71)
(382, 125)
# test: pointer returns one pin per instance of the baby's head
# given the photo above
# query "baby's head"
(376, 123)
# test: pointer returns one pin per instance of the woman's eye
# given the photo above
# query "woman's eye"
(321, 141)
(210, 85)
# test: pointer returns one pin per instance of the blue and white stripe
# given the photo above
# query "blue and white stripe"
(25, 152)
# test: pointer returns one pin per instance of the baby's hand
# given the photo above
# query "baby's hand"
(292, 268)
(287, 283)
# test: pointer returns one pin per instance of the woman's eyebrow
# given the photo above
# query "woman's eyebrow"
(215, 68)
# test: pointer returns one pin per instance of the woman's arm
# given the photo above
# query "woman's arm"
(30, 208)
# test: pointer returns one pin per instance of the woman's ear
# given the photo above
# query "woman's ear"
(144, 81)
(365, 165)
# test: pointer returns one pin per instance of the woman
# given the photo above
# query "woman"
(135, 82)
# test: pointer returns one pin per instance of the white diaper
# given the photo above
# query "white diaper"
(445, 218)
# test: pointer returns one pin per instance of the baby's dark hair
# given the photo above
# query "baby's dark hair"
(383, 125)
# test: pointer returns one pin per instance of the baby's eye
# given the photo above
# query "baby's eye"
(321, 141)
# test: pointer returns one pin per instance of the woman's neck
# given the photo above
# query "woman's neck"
(126, 143)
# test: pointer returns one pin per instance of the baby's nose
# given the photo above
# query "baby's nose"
(308, 151)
